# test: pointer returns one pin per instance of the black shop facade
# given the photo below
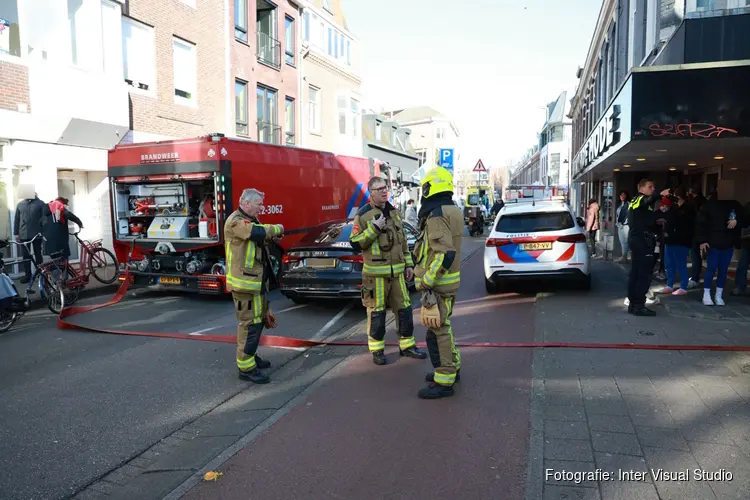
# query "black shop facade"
(685, 125)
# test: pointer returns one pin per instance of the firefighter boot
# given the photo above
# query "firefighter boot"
(378, 357)
(255, 376)
(435, 391)
(430, 377)
(413, 352)
(262, 363)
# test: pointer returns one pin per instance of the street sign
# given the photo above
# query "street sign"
(446, 159)
(479, 167)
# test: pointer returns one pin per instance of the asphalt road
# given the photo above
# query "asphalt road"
(363, 433)
(78, 405)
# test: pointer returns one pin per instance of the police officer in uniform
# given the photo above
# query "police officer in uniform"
(378, 231)
(248, 273)
(438, 275)
(642, 242)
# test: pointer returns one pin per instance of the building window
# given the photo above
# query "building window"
(289, 120)
(138, 54)
(268, 130)
(422, 155)
(336, 44)
(185, 71)
(378, 132)
(268, 46)
(289, 40)
(307, 26)
(313, 99)
(240, 20)
(341, 47)
(356, 118)
(440, 133)
(343, 106)
(111, 39)
(330, 41)
(240, 107)
(10, 33)
(348, 53)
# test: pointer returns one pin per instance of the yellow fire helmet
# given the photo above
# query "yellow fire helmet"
(436, 181)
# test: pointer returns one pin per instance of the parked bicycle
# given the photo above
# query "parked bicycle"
(13, 306)
(94, 260)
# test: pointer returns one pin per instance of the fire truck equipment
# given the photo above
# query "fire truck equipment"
(168, 228)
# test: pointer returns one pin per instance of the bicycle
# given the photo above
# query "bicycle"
(15, 306)
(93, 257)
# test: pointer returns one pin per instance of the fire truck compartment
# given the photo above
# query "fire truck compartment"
(160, 208)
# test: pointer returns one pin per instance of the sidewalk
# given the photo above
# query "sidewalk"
(623, 410)
(363, 433)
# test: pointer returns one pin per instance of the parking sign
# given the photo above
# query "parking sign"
(446, 159)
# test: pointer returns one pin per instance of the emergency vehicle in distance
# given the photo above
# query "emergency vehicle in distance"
(169, 201)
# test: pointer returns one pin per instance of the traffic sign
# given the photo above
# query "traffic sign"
(479, 167)
(446, 159)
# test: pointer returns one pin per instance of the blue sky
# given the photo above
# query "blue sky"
(489, 64)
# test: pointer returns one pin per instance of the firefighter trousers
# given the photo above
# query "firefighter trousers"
(251, 312)
(379, 294)
(444, 355)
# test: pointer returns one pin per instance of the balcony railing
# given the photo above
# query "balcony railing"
(269, 133)
(269, 50)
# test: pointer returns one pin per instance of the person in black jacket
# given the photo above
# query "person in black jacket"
(680, 225)
(696, 201)
(27, 224)
(715, 232)
(55, 227)
(740, 281)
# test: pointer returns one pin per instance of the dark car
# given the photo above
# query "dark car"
(325, 266)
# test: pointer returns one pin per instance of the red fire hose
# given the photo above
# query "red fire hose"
(277, 341)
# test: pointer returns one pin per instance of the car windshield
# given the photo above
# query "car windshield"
(473, 199)
(535, 222)
(329, 233)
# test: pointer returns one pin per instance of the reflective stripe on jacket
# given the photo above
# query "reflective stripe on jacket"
(438, 250)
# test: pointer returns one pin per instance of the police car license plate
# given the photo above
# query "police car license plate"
(320, 263)
(539, 245)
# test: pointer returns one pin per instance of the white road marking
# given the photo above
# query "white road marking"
(300, 306)
(322, 333)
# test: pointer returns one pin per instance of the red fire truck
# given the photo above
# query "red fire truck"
(170, 199)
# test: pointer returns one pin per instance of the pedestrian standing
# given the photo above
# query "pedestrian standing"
(438, 276)
(622, 224)
(592, 224)
(696, 200)
(716, 234)
(642, 243)
(248, 274)
(680, 225)
(27, 224)
(379, 233)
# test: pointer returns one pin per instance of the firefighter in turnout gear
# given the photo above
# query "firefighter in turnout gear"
(248, 272)
(378, 231)
(438, 275)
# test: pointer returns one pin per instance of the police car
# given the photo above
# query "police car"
(537, 240)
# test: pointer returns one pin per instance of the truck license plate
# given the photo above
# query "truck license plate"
(169, 280)
(539, 245)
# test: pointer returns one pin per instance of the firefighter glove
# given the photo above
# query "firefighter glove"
(270, 320)
(430, 317)
(379, 222)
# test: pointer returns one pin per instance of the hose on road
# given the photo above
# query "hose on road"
(63, 323)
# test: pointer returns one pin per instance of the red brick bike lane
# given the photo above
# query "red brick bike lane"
(364, 433)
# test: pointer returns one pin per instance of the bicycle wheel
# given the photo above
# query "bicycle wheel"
(100, 262)
(71, 294)
(55, 294)
(6, 320)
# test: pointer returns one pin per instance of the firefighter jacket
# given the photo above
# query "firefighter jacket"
(438, 249)
(246, 245)
(386, 252)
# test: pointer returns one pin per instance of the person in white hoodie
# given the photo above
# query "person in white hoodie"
(411, 213)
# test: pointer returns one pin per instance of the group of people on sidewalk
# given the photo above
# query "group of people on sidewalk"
(667, 228)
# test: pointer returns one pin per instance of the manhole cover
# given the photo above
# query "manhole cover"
(645, 333)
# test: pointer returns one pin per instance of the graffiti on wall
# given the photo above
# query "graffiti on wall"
(697, 130)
